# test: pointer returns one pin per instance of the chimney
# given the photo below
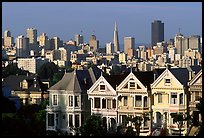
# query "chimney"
(154, 76)
(85, 81)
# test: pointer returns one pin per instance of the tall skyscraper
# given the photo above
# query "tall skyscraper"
(79, 39)
(43, 41)
(115, 39)
(22, 46)
(93, 43)
(109, 48)
(31, 33)
(8, 39)
(129, 43)
(129, 46)
(157, 32)
(56, 42)
(194, 42)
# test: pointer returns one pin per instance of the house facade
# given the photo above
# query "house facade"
(68, 102)
(169, 95)
(103, 99)
(134, 99)
(195, 93)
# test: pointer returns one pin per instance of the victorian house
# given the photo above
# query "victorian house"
(134, 95)
(169, 95)
(103, 97)
(28, 88)
(68, 101)
(195, 93)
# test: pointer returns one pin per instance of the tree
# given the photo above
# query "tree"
(92, 127)
(57, 77)
(12, 69)
(178, 118)
(137, 121)
(47, 70)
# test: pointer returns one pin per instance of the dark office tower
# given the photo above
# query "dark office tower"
(115, 39)
(157, 32)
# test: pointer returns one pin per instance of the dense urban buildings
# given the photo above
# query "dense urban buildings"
(139, 84)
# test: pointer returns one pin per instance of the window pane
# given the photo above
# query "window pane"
(108, 103)
(70, 100)
(125, 100)
(76, 120)
(70, 121)
(102, 87)
(167, 80)
(145, 101)
(97, 102)
(173, 99)
(138, 101)
(159, 98)
(132, 85)
(103, 103)
(50, 119)
(181, 98)
(54, 99)
(76, 101)
(114, 103)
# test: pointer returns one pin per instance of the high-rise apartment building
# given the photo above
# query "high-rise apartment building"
(79, 39)
(116, 39)
(31, 33)
(181, 43)
(157, 32)
(22, 46)
(43, 41)
(8, 39)
(93, 43)
(56, 42)
(129, 43)
(109, 48)
(194, 42)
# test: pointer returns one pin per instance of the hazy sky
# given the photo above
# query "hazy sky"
(65, 19)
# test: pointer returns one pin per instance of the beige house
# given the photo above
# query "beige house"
(134, 98)
(169, 95)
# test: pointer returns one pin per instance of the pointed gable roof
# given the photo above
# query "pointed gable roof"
(146, 78)
(115, 80)
(192, 81)
(181, 74)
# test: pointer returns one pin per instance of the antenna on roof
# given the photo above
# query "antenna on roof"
(179, 30)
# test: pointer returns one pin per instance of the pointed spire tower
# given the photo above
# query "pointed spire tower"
(115, 39)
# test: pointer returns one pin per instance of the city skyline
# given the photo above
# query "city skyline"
(101, 22)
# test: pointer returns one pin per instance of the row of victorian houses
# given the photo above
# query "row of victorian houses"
(159, 93)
